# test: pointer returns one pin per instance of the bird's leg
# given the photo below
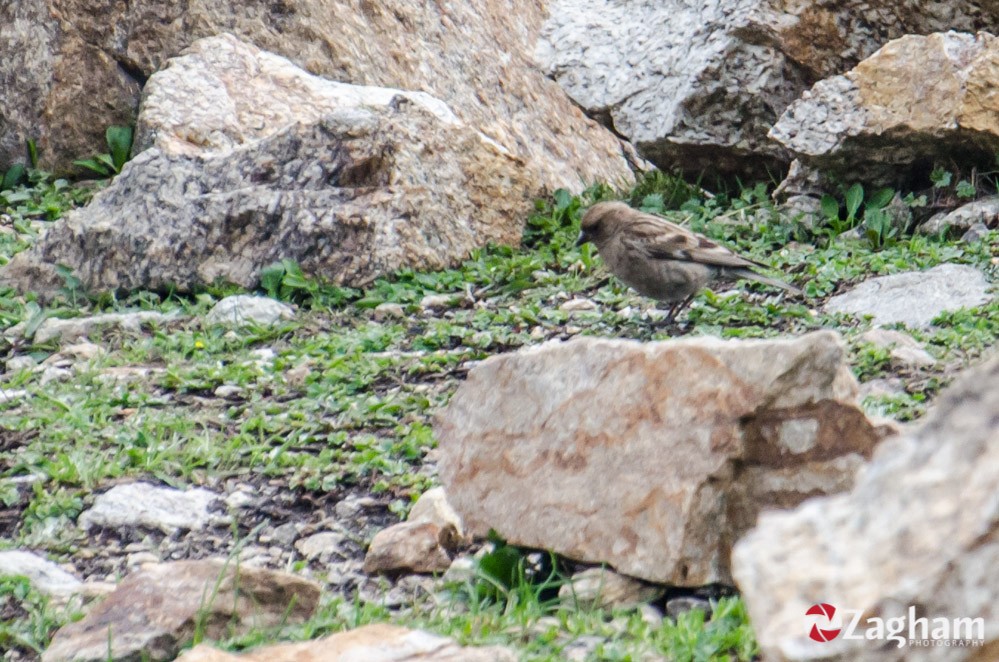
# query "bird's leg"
(676, 309)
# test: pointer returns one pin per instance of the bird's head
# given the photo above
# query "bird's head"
(600, 221)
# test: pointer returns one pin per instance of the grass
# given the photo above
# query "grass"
(340, 400)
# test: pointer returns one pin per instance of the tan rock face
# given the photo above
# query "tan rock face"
(919, 528)
(917, 99)
(252, 160)
(74, 76)
(371, 643)
(687, 441)
(156, 610)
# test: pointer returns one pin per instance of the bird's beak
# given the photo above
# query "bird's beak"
(582, 239)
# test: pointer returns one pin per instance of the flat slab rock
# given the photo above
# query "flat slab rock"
(45, 576)
(156, 610)
(370, 643)
(920, 528)
(151, 506)
(914, 298)
(687, 441)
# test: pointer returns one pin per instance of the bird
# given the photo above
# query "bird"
(662, 260)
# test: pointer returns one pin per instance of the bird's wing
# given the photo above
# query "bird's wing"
(658, 239)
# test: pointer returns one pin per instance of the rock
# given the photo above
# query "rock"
(70, 76)
(677, 607)
(242, 310)
(914, 298)
(81, 327)
(350, 182)
(957, 222)
(144, 505)
(687, 439)
(462, 570)
(577, 305)
(699, 85)
(321, 545)
(157, 609)
(83, 351)
(919, 528)
(882, 388)
(599, 588)
(18, 363)
(410, 547)
(45, 576)
(386, 311)
(931, 94)
(905, 351)
(371, 643)
(227, 391)
(975, 233)
(437, 302)
(432, 506)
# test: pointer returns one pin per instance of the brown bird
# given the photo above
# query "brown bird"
(660, 259)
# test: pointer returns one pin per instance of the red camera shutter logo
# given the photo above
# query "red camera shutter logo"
(828, 611)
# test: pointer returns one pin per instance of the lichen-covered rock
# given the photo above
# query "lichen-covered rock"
(687, 440)
(351, 182)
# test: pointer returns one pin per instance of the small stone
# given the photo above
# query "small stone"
(13, 396)
(432, 506)
(228, 391)
(463, 569)
(53, 374)
(142, 558)
(905, 351)
(321, 545)
(975, 233)
(408, 547)
(388, 310)
(577, 305)
(286, 534)
(352, 507)
(240, 499)
(18, 363)
(676, 607)
(436, 302)
(82, 351)
(244, 310)
(605, 589)
(45, 576)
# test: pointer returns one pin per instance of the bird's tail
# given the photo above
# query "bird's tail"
(749, 274)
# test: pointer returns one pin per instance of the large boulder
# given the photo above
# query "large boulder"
(251, 160)
(698, 85)
(73, 67)
(650, 457)
(916, 539)
(916, 101)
